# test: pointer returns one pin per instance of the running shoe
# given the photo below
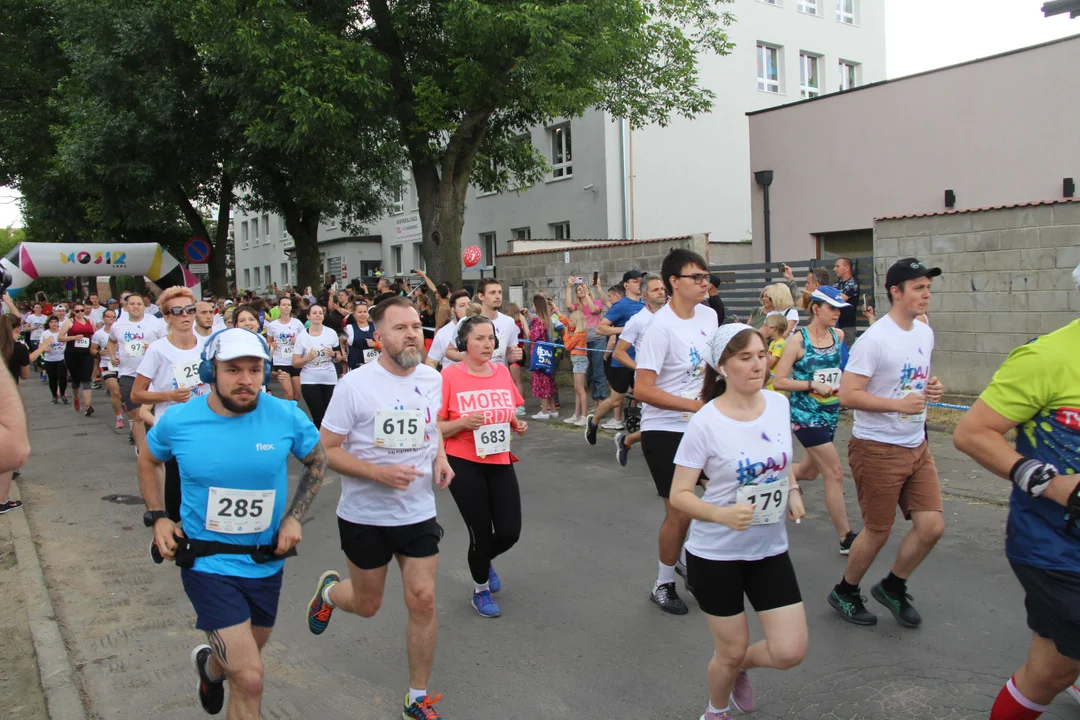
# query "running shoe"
(44, 379)
(96, 385)
(131, 438)
(622, 453)
(421, 708)
(494, 583)
(680, 570)
(9, 506)
(742, 695)
(63, 399)
(318, 610)
(846, 543)
(55, 400)
(211, 693)
(89, 410)
(667, 597)
(541, 416)
(483, 604)
(519, 411)
(852, 607)
(572, 420)
(899, 605)
(614, 424)
(119, 424)
(721, 715)
(76, 403)
(590, 429)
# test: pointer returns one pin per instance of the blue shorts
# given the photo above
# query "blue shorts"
(813, 436)
(221, 601)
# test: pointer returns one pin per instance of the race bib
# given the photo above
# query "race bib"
(371, 355)
(492, 439)
(919, 418)
(499, 354)
(828, 376)
(322, 356)
(769, 501)
(35, 334)
(234, 512)
(689, 395)
(82, 342)
(136, 348)
(186, 374)
(285, 346)
(399, 429)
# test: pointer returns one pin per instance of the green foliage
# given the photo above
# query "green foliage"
(10, 238)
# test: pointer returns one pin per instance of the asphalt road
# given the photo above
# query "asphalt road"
(578, 638)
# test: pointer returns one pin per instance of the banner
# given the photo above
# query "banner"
(29, 261)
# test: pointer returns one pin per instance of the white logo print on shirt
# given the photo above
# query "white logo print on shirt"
(260, 447)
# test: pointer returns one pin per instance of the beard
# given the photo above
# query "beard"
(239, 405)
(408, 358)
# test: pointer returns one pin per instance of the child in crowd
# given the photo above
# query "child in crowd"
(579, 359)
(774, 330)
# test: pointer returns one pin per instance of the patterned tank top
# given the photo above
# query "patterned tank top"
(822, 365)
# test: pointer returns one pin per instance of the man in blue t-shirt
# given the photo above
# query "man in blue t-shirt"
(232, 447)
(1043, 539)
(620, 378)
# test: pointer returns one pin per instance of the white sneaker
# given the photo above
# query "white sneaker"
(614, 424)
(572, 420)
(519, 411)
(580, 422)
(553, 415)
(541, 416)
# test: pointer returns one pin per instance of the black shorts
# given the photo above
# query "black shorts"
(621, 379)
(80, 367)
(659, 448)
(813, 436)
(289, 369)
(372, 546)
(1052, 599)
(222, 601)
(719, 585)
(126, 383)
(107, 374)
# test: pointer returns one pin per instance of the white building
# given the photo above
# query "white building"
(608, 182)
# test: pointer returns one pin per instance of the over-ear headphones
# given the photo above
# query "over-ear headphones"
(207, 374)
(466, 326)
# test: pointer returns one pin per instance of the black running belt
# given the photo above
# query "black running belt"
(188, 550)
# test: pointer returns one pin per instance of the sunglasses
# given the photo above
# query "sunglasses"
(178, 311)
(78, 310)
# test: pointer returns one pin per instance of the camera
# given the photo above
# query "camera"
(5, 279)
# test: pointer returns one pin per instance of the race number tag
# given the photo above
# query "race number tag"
(322, 356)
(82, 343)
(285, 347)
(492, 439)
(918, 418)
(186, 374)
(35, 334)
(828, 376)
(689, 395)
(399, 429)
(769, 501)
(371, 355)
(136, 348)
(499, 354)
(234, 512)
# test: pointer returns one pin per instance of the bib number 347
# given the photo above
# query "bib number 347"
(399, 429)
(236, 512)
(769, 500)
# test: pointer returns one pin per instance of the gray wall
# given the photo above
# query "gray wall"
(1007, 278)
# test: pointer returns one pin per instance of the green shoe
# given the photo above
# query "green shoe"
(851, 607)
(899, 605)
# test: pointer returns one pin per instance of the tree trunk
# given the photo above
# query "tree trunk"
(442, 217)
(113, 292)
(219, 284)
(304, 228)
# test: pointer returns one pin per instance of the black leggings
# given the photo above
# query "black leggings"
(490, 504)
(317, 398)
(57, 372)
(81, 368)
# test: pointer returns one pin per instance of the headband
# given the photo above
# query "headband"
(720, 339)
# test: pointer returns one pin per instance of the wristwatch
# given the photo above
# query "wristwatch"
(152, 516)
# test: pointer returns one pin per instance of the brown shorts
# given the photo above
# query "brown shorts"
(889, 475)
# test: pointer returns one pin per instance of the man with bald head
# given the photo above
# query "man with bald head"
(204, 319)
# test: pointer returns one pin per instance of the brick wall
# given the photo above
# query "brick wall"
(1006, 278)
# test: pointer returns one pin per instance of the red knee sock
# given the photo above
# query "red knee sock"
(1012, 705)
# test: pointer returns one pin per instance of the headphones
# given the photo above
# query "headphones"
(208, 374)
(462, 341)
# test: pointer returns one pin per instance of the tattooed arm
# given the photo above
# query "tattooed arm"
(311, 478)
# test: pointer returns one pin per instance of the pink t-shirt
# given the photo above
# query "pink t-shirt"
(463, 394)
(593, 315)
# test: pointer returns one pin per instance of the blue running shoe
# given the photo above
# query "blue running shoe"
(622, 453)
(484, 605)
(318, 611)
(494, 583)
(421, 708)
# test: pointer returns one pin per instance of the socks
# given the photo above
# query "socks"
(716, 710)
(1012, 705)
(415, 694)
(894, 585)
(326, 595)
(482, 588)
(667, 574)
(846, 588)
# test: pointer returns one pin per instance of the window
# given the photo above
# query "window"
(258, 279)
(487, 244)
(269, 281)
(266, 227)
(522, 233)
(560, 230)
(418, 256)
(398, 205)
(561, 152)
(768, 72)
(284, 274)
(809, 74)
(849, 75)
(395, 259)
(770, 2)
(810, 7)
(255, 230)
(244, 234)
(282, 228)
(247, 279)
(845, 11)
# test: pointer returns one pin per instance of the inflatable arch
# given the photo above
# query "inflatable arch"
(29, 261)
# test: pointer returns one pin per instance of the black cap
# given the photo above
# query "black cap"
(908, 269)
(631, 275)
(715, 280)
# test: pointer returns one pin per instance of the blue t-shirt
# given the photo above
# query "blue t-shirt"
(248, 452)
(618, 314)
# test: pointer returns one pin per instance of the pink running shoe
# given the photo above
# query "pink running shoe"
(119, 423)
(742, 695)
(722, 715)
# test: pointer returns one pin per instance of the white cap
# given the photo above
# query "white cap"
(228, 303)
(237, 343)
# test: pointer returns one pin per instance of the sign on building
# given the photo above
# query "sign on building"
(407, 228)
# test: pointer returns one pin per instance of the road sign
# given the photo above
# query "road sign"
(69, 284)
(197, 250)
(199, 268)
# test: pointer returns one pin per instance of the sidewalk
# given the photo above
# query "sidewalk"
(20, 684)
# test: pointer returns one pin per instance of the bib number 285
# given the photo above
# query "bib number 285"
(239, 511)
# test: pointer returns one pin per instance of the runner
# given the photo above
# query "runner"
(100, 348)
(205, 319)
(77, 334)
(282, 334)
(619, 377)
(36, 321)
(443, 348)
(232, 448)
(128, 341)
(810, 369)
(670, 371)
(630, 341)
(314, 356)
(247, 318)
(359, 344)
(1042, 541)
(52, 350)
(888, 383)
(380, 433)
(476, 419)
(95, 312)
(491, 297)
(738, 543)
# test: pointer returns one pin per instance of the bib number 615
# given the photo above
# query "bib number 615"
(400, 426)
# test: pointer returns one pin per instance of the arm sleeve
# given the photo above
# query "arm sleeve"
(349, 334)
(445, 409)
(305, 434)
(654, 347)
(148, 368)
(692, 452)
(158, 438)
(631, 330)
(1022, 386)
(515, 335)
(864, 357)
(343, 413)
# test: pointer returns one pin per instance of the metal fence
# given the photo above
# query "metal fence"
(742, 284)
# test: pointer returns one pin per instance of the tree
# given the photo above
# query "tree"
(467, 76)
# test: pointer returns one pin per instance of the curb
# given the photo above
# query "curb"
(57, 679)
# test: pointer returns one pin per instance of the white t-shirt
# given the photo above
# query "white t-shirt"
(362, 395)
(96, 315)
(37, 325)
(101, 339)
(789, 314)
(284, 336)
(897, 362)
(153, 309)
(321, 370)
(55, 353)
(219, 324)
(168, 368)
(735, 454)
(443, 339)
(132, 340)
(635, 327)
(507, 332)
(675, 350)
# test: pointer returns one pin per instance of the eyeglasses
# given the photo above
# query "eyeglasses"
(178, 311)
(698, 278)
(78, 310)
